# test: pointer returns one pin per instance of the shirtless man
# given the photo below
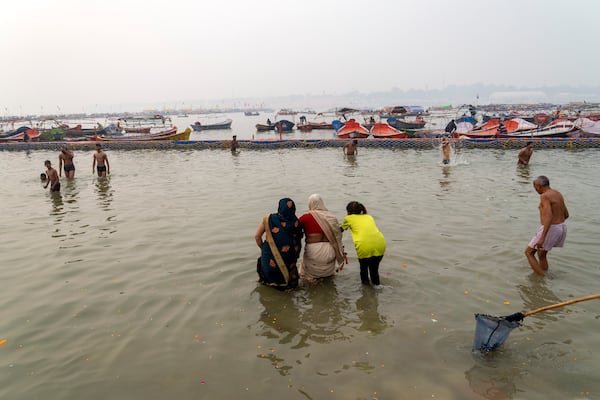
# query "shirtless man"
(65, 159)
(52, 178)
(350, 148)
(101, 159)
(446, 151)
(525, 154)
(553, 229)
(234, 144)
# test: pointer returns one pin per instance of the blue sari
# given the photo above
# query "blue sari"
(280, 251)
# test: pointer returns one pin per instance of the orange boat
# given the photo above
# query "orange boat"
(31, 134)
(490, 129)
(352, 130)
(385, 130)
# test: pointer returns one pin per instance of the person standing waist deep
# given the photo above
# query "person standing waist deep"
(100, 158)
(65, 160)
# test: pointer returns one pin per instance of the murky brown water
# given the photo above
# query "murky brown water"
(143, 285)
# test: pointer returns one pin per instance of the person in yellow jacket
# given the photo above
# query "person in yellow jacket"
(369, 242)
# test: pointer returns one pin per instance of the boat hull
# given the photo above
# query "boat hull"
(219, 125)
(383, 130)
(406, 125)
(352, 130)
(172, 134)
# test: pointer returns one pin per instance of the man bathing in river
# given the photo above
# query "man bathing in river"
(52, 175)
(525, 155)
(350, 148)
(553, 229)
(101, 159)
(65, 160)
(446, 151)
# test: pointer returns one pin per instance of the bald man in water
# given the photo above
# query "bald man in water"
(553, 229)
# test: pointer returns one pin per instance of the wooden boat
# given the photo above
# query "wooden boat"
(170, 134)
(32, 134)
(79, 132)
(558, 128)
(285, 111)
(490, 129)
(283, 125)
(14, 132)
(264, 127)
(352, 129)
(591, 131)
(385, 130)
(403, 124)
(145, 129)
(589, 128)
(309, 126)
(226, 124)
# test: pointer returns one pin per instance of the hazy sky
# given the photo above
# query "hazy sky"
(88, 55)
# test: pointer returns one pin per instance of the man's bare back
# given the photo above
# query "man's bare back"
(553, 202)
(553, 230)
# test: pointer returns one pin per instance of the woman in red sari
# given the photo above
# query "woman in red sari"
(324, 250)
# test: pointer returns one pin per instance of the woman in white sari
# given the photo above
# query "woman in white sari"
(324, 250)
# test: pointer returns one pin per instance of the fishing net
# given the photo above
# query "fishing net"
(491, 331)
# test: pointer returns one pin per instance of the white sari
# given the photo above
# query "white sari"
(322, 258)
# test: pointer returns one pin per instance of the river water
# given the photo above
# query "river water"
(142, 285)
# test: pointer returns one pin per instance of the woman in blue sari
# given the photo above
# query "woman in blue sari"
(280, 250)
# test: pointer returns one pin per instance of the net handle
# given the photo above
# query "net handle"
(564, 303)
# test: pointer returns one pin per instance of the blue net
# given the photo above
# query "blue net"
(491, 331)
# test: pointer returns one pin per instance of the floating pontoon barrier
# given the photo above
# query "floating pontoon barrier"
(420, 144)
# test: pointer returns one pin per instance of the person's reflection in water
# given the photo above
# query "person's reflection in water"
(536, 295)
(370, 319)
(493, 382)
(524, 176)
(57, 206)
(351, 164)
(70, 191)
(298, 319)
(105, 194)
(445, 179)
(278, 320)
(325, 315)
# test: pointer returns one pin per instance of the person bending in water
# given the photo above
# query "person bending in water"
(101, 159)
(553, 229)
(525, 154)
(446, 151)
(368, 241)
(65, 158)
(350, 148)
(53, 180)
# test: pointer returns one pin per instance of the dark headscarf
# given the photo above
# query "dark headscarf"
(287, 234)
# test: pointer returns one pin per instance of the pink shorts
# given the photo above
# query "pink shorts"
(554, 238)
